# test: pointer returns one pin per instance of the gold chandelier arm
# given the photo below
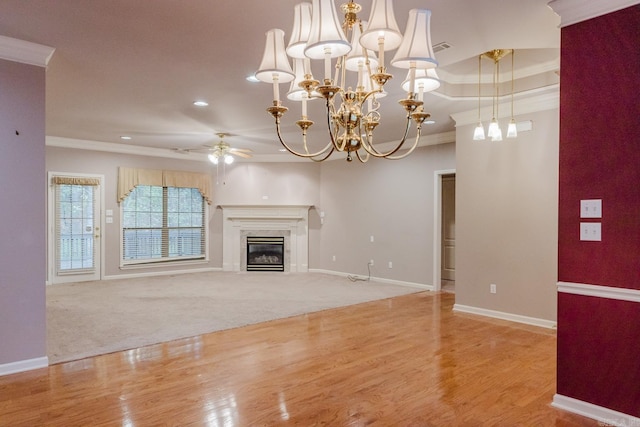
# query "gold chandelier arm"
(410, 150)
(307, 155)
(330, 127)
(325, 157)
(369, 147)
(363, 159)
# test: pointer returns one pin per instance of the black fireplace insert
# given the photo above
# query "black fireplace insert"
(265, 253)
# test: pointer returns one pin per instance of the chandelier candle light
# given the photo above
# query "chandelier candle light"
(352, 115)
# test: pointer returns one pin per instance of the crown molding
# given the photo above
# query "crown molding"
(111, 147)
(137, 150)
(574, 11)
(532, 104)
(520, 73)
(25, 52)
(438, 138)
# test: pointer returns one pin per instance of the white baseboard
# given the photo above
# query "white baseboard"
(160, 273)
(607, 417)
(375, 279)
(505, 316)
(24, 365)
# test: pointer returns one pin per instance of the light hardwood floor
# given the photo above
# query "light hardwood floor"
(405, 361)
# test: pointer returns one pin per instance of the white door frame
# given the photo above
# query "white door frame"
(51, 224)
(437, 225)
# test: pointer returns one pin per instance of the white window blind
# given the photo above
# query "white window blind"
(162, 224)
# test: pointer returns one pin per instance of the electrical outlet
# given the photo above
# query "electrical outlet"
(492, 288)
(371, 262)
(390, 264)
(371, 238)
(334, 257)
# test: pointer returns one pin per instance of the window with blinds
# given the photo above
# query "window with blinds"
(162, 224)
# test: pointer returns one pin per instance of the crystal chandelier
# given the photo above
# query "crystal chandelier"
(352, 115)
(494, 132)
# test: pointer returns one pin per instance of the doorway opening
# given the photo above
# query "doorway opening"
(444, 231)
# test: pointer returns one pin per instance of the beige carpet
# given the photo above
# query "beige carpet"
(91, 318)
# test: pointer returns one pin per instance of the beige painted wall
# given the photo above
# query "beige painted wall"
(273, 184)
(393, 201)
(507, 225)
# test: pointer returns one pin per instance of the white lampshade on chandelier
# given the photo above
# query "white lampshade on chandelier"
(494, 132)
(426, 80)
(352, 114)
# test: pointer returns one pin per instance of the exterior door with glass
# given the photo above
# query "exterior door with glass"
(75, 228)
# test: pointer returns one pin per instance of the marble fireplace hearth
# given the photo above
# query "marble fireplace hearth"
(288, 221)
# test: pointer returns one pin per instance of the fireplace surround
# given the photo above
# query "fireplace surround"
(291, 222)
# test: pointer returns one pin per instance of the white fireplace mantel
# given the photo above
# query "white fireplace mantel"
(292, 221)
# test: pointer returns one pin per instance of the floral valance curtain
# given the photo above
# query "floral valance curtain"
(74, 180)
(129, 178)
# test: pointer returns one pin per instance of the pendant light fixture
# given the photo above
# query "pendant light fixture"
(494, 131)
(478, 133)
(512, 130)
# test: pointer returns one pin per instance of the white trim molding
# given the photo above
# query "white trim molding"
(543, 323)
(606, 416)
(25, 52)
(24, 365)
(574, 11)
(609, 292)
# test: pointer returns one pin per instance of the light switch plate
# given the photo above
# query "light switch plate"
(591, 231)
(109, 212)
(591, 208)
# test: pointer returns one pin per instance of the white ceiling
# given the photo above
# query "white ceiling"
(124, 67)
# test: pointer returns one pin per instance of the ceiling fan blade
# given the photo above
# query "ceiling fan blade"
(242, 150)
(243, 155)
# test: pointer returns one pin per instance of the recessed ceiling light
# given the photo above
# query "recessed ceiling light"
(429, 122)
(282, 150)
(252, 78)
(200, 103)
(125, 137)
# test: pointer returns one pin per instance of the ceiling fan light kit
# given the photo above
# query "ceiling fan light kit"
(219, 150)
(352, 115)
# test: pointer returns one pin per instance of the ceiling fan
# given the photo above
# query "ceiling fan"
(220, 150)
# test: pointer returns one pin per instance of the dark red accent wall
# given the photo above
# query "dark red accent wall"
(600, 148)
(599, 351)
(599, 338)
